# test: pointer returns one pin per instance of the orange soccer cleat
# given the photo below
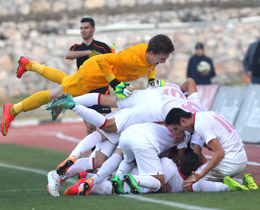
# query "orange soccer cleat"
(65, 165)
(73, 189)
(86, 187)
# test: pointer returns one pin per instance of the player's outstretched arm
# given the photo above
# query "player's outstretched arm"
(189, 86)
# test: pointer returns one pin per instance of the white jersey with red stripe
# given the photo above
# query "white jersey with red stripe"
(210, 125)
(159, 136)
(150, 95)
(152, 105)
(172, 176)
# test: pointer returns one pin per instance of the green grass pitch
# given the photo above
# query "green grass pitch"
(23, 189)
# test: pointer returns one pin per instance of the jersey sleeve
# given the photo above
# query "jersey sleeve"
(107, 49)
(205, 130)
(105, 63)
(151, 74)
(73, 47)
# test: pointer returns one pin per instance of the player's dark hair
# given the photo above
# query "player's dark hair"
(88, 20)
(174, 116)
(189, 162)
(160, 44)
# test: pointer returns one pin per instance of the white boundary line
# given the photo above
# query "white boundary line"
(140, 198)
(167, 203)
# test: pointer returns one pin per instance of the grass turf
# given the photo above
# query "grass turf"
(21, 189)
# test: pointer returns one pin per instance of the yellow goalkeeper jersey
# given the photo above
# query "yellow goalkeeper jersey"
(127, 65)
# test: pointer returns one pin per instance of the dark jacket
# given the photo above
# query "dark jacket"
(193, 72)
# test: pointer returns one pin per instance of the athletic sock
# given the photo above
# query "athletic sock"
(90, 115)
(240, 181)
(209, 186)
(148, 182)
(107, 168)
(86, 144)
(82, 164)
(54, 75)
(16, 109)
(32, 102)
(88, 100)
(124, 168)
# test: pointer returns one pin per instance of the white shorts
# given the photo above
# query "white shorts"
(112, 137)
(139, 148)
(221, 170)
(106, 147)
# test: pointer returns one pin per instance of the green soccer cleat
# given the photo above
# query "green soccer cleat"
(234, 185)
(64, 102)
(249, 182)
(55, 112)
(133, 186)
(117, 185)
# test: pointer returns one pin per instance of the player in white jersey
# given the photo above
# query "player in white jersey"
(229, 158)
(148, 105)
(174, 176)
(126, 117)
(57, 177)
(143, 143)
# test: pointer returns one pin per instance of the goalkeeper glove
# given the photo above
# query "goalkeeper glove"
(155, 83)
(123, 90)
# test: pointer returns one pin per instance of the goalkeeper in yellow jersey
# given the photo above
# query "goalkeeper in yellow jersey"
(114, 69)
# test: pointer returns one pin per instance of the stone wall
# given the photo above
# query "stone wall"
(46, 40)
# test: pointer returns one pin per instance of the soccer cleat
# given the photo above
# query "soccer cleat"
(55, 112)
(117, 185)
(86, 187)
(74, 189)
(133, 186)
(234, 185)
(21, 67)
(65, 165)
(82, 174)
(64, 102)
(53, 186)
(7, 119)
(249, 182)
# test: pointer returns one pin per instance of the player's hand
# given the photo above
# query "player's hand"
(155, 83)
(192, 179)
(178, 137)
(123, 90)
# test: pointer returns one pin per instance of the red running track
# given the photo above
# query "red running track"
(65, 136)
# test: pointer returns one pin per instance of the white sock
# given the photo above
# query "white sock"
(88, 100)
(240, 181)
(107, 168)
(148, 182)
(82, 164)
(124, 168)
(90, 115)
(86, 144)
(209, 186)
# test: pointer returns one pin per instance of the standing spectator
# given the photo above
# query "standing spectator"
(251, 62)
(200, 67)
(88, 48)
